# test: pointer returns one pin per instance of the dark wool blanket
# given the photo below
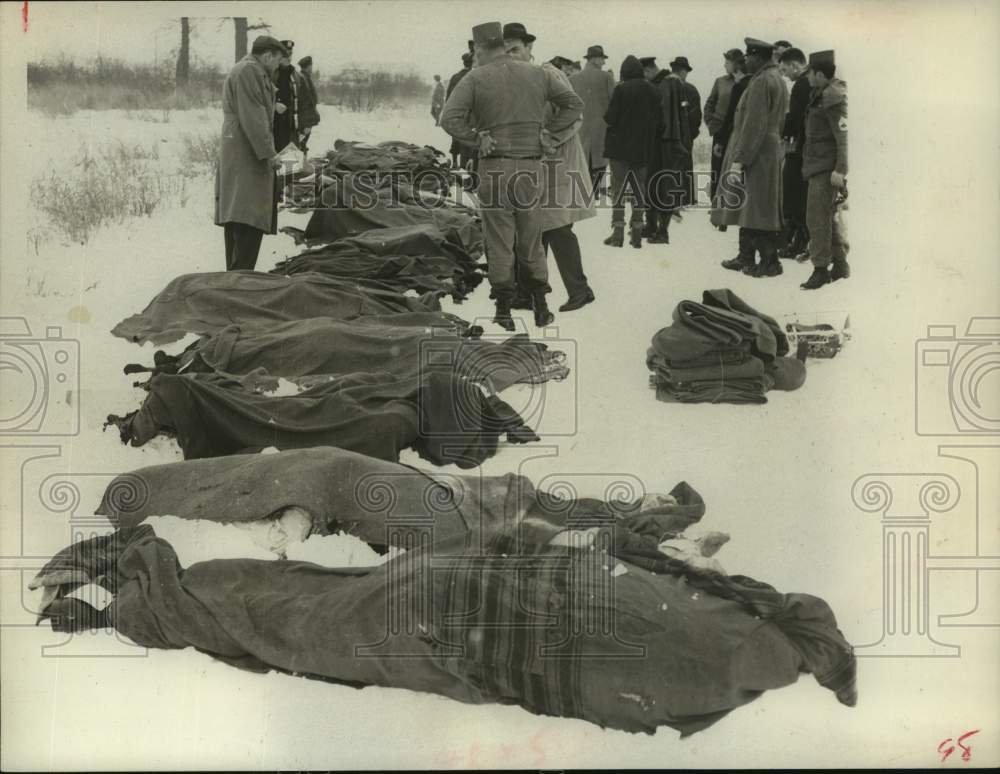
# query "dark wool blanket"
(619, 636)
(206, 303)
(349, 208)
(419, 257)
(324, 346)
(444, 418)
(363, 496)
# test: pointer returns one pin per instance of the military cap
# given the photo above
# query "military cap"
(490, 33)
(306, 61)
(264, 43)
(647, 61)
(755, 46)
(821, 58)
(516, 31)
(289, 45)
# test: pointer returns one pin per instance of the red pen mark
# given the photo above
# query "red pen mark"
(24, 16)
(947, 747)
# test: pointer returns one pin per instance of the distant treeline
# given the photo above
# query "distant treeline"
(62, 87)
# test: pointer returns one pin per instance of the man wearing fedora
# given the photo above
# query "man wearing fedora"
(824, 166)
(692, 106)
(717, 105)
(245, 186)
(749, 192)
(594, 85)
(501, 105)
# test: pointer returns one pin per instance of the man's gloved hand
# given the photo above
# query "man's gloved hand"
(279, 108)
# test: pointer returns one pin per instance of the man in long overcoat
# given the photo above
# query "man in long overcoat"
(749, 193)
(245, 201)
(594, 85)
(668, 188)
(308, 113)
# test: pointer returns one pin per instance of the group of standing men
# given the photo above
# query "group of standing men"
(267, 105)
(778, 166)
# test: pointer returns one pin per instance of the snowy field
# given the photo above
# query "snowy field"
(777, 477)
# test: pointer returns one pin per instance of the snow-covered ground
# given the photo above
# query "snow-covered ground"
(777, 477)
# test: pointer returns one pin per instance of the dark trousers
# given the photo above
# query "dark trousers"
(755, 240)
(596, 173)
(566, 250)
(242, 246)
(628, 179)
(716, 171)
(794, 194)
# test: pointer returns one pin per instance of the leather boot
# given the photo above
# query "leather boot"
(745, 259)
(502, 317)
(635, 235)
(817, 279)
(841, 270)
(617, 238)
(769, 265)
(651, 219)
(661, 236)
(543, 316)
(521, 299)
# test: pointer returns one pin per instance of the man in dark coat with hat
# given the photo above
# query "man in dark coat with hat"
(824, 165)
(692, 105)
(245, 188)
(287, 106)
(501, 105)
(795, 237)
(460, 153)
(717, 105)
(308, 113)
(633, 120)
(749, 193)
(668, 182)
(594, 84)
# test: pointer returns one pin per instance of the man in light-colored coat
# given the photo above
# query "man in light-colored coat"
(595, 86)
(245, 195)
(749, 193)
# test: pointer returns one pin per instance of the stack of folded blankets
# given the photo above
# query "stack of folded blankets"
(721, 351)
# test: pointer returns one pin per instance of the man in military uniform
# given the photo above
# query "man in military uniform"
(501, 106)
(824, 166)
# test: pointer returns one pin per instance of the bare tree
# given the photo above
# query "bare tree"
(241, 28)
(184, 54)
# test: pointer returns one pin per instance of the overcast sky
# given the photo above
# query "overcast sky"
(429, 36)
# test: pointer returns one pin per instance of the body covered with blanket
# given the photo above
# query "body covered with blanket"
(206, 303)
(575, 617)
(721, 351)
(444, 418)
(325, 346)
